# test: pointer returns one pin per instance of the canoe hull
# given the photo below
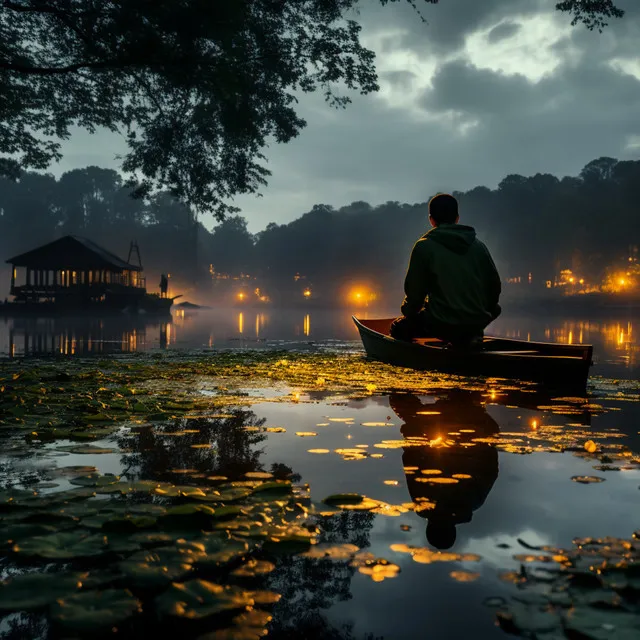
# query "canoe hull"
(554, 365)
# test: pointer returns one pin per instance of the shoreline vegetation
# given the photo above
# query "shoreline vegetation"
(329, 250)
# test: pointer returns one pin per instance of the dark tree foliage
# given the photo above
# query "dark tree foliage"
(536, 224)
(94, 203)
(197, 87)
(593, 13)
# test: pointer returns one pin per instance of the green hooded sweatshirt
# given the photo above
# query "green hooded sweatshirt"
(451, 268)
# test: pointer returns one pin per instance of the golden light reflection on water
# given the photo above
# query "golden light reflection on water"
(618, 337)
(306, 325)
(241, 322)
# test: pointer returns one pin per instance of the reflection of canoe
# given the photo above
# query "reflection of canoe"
(558, 365)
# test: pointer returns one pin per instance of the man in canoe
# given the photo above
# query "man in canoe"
(452, 286)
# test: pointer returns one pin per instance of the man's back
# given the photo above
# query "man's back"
(455, 270)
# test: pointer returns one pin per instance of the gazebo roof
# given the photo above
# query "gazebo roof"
(71, 252)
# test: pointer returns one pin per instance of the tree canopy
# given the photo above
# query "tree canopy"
(197, 87)
(536, 224)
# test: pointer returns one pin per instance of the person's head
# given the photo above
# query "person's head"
(441, 533)
(443, 209)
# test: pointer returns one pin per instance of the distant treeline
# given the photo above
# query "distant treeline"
(536, 225)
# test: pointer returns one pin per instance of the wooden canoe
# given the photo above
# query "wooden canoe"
(555, 365)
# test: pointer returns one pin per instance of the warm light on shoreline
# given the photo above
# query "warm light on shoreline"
(361, 295)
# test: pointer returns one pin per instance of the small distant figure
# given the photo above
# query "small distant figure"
(452, 286)
(164, 285)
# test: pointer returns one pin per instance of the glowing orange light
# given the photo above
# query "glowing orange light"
(241, 296)
(534, 424)
(307, 293)
(572, 280)
(622, 282)
(581, 280)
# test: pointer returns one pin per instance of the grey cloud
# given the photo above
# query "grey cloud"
(503, 31)
(448, 23)
(400, 79)
(460, 87)
(376, 153)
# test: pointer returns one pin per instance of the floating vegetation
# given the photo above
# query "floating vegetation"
(357, 502)
(378, 569)
(377, 424)
(113, 552)
(194, 542)
(423, 555)
(590, 591)
(587, 479)
(464, 576)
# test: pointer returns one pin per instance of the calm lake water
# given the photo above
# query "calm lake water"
(615, 338)
(497, 504)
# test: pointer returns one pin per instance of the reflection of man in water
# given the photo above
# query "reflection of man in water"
(455, 502)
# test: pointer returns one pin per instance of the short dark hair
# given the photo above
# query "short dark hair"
(443, 208)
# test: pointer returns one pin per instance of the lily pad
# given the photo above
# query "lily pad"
(199, 599)
(95, 610)
(221, 550)
(246, 626)
(34, 591)
(587, 479)
(95, 480)
(275, 486)
(61, 546)
(188, 516)
(595, 624)
(13, 533)
(156, 569)
(254, 568)
(86, 449)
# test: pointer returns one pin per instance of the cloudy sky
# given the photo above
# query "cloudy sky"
(484, 89)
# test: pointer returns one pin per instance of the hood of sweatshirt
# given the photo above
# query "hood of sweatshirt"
(455, 237)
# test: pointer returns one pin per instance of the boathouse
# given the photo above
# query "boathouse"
(73, 268)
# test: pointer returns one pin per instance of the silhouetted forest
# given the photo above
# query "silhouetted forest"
(538, 225)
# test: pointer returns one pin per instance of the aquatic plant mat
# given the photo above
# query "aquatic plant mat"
(190, 535)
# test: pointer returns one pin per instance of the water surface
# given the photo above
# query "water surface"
(510, 455)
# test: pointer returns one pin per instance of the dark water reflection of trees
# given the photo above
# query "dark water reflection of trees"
(154, 452)
(309, 586)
